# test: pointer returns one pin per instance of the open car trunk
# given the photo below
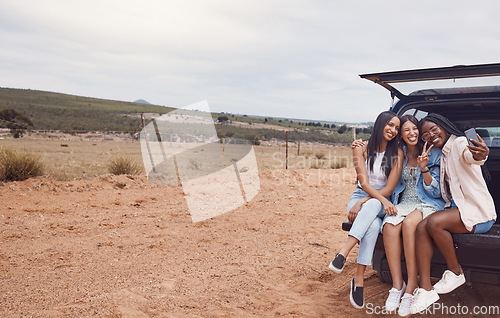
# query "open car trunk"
(467, 107)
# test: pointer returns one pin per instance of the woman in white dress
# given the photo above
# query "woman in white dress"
(416, 196)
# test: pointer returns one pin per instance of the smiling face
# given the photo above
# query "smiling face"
(434, 134)
(391, 128)
(409, 133)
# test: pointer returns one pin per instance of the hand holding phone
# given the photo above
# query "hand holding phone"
(471, 134)
(478, 149)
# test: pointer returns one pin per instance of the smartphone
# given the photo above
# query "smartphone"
(471, 134)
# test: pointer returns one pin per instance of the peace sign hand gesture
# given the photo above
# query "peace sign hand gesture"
(423, 159)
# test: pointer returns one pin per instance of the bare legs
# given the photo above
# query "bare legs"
(392, 244)
(438, 228)
(359, 279)
(360, 269)
(365, 230)
(346, 249)
(409, 228)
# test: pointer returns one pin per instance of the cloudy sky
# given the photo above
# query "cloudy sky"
(295, 59)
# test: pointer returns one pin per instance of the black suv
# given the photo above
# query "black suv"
(467, 106)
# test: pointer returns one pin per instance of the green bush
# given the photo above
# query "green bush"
(19, 165)
(124, 165)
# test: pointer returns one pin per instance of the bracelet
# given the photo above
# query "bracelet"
(425, 171)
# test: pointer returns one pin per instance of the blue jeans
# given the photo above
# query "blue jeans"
(366, 226)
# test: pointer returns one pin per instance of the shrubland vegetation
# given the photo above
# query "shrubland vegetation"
(22, 110)
(54, 111)
(16, 121)
(124, 165)
(17, 165)
(320, 135)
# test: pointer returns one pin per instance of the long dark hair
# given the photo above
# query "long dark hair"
(451, 129)
(443, 122)
(413, 119)
(376, 138)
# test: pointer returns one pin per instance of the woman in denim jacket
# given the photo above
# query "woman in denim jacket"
(416, 196)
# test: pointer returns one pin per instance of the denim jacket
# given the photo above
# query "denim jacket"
(430, 194)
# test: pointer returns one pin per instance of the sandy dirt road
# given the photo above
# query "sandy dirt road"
(124, 247)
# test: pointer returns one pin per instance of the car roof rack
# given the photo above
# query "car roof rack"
(459, 71)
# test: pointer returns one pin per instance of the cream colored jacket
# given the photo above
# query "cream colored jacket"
(466, 183)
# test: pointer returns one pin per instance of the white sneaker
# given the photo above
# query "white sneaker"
(392, 302)
(404, 306)
(449, 282)
(422, 299)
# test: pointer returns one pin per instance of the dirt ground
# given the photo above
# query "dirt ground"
(124, 247)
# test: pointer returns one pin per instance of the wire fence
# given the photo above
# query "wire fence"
(302, 155)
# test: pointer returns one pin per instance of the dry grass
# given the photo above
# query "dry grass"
(124, 165)
(18, 165)
(311, 156)
(68, 160)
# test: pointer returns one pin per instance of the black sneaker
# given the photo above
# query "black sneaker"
(356, 296)
(337, 265)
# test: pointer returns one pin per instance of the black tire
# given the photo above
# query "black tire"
(382, 267)
(385, 277)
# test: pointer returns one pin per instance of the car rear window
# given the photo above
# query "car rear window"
(490, 135)
(486, 120)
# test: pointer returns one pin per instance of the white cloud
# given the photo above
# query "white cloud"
(272, 58)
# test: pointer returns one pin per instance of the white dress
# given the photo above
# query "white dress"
(409, 199)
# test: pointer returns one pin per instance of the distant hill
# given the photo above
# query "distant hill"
(56, 111)
(142, 101)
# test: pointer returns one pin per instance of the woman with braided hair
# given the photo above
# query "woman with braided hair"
(469, 206)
